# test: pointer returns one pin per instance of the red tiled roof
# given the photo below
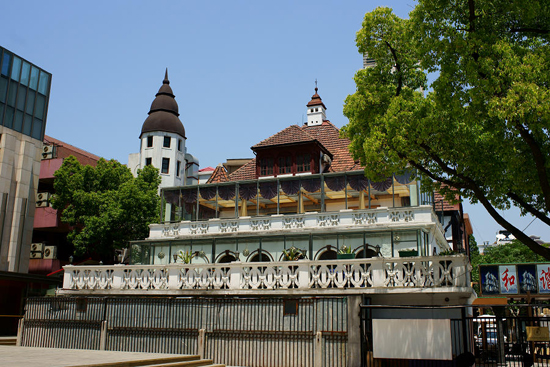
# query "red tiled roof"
(440, 202)
(206, 169)
(219, 175)
(291, 135)
(329, 136)
(246, 172)
(64, 150)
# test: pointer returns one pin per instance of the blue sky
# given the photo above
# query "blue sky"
(240, 70)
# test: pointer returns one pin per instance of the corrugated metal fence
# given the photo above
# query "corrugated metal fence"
(245, 332)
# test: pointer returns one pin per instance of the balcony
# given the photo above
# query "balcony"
(347, 219)
(303, 277)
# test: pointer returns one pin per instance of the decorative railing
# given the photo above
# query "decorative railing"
(358, 275)
(381, 217)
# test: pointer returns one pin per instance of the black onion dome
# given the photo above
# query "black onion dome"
(164, 112)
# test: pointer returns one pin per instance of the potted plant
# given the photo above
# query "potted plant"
(408, 252)
(186, 256)
(345, 252)
(292, 254)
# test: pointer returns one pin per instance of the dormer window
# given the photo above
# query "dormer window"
(285, 165)
(266, 167)
(303, 163)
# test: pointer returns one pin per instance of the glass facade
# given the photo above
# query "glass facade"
(24, 95)
(364, 244)
(291, 195)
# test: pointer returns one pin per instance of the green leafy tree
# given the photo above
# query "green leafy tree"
(475, 260)
(105, 205)
(482, 130)
(514, 252)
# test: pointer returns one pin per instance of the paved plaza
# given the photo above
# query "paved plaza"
(52, 357)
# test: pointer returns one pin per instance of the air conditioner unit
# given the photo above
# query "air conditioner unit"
(36, 254)
(37, 247)
(43, 199)
(50, 252)
(48, 152)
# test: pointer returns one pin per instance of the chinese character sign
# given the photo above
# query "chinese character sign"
(543, 275)
(508, 279)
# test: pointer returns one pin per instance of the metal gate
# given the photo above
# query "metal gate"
(511, 341)
(245, 332)
(505, 341)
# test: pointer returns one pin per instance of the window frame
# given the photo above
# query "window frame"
(165, 166)
(149, 142)
(167, 142)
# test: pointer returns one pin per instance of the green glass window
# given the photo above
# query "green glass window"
(6, 63)
(44, 83)
(12, 94)
(18, 122)
(3, 89)
(30, 102)
(25, 73)
(40, 105)
(34, 77)
(1, 114)
(8, 118)
(37, 128)
(27, 125)
(16, 68)
(21, 96)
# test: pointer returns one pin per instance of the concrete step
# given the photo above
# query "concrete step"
(198, 363)
(147, 362)
(177, 361)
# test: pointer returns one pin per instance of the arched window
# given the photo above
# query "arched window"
(326, 253)
(255, 256)
(226, 257)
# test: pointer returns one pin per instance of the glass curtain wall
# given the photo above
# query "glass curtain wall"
(294, 195)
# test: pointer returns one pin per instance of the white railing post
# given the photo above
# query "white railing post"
(235, 274)
(303, 276)
(68, 282)
(173, 277)
(378, 272)
(118, 278)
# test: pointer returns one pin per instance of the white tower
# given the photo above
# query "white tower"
(163, 142)
(316, 110)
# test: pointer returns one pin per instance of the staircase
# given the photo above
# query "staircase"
(176, 361)
(8, 340)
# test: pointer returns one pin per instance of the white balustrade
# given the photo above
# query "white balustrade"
(381, 217)
(344, 275)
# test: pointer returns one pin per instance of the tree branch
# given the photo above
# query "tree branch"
(530, 30)
(540, 162)
(470, 184)
(398, 67)
(529, 208)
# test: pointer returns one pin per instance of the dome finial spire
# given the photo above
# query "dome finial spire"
(166, 81)
(316, 89)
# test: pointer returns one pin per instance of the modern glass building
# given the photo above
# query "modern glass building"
(24, 95)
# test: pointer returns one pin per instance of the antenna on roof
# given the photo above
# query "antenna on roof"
(303, 123)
